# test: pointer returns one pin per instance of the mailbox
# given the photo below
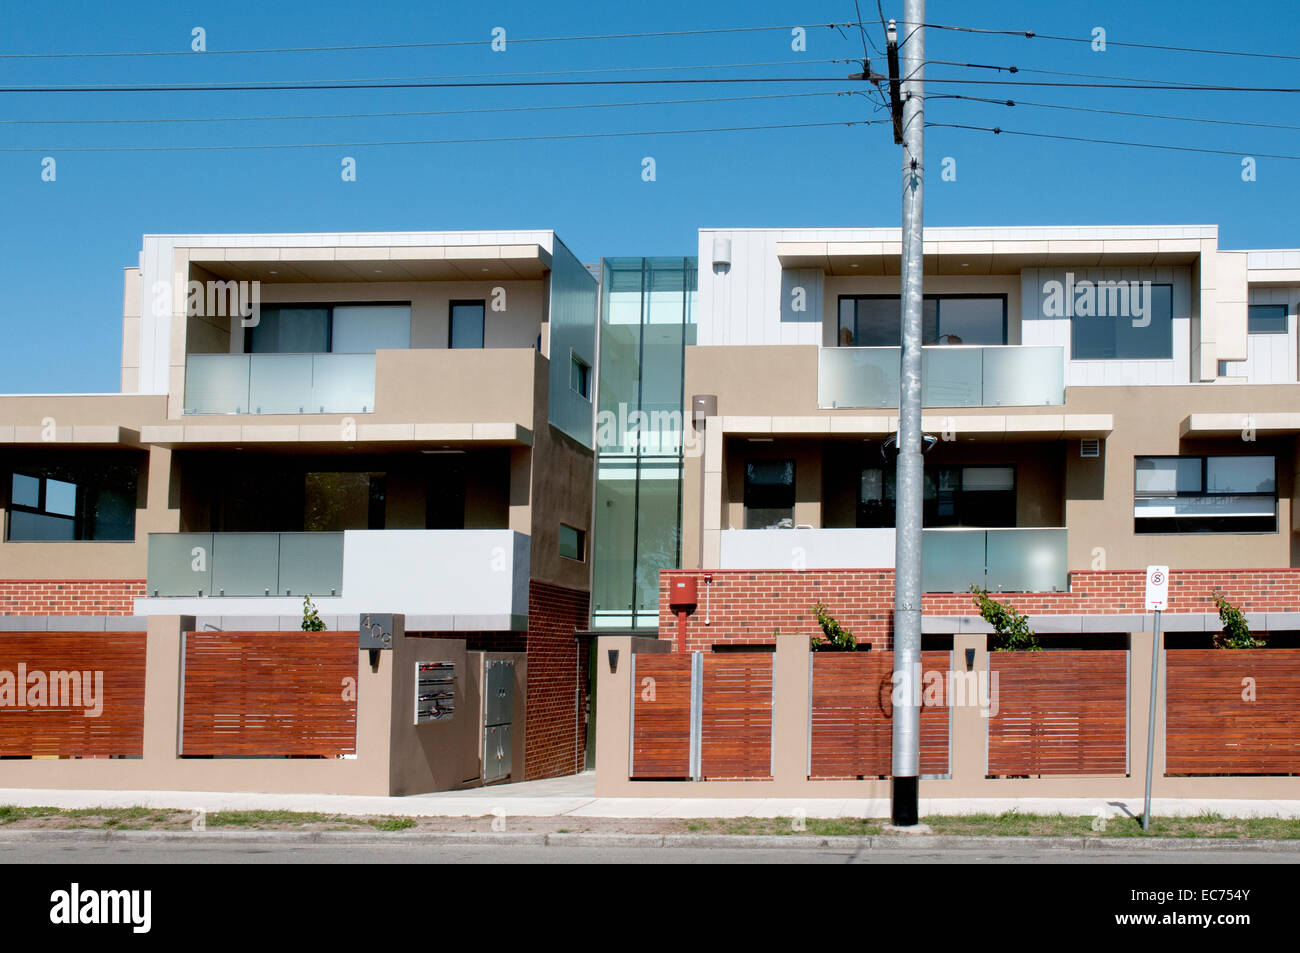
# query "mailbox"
(683, 592)
(435, 691)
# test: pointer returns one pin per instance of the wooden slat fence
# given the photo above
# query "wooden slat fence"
(1211, 725)
(1059, 713)
(51, 684)
(661, 716)
(270, 694)
(736, 717)
(852, 716)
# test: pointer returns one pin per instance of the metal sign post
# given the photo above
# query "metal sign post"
(1157, 597)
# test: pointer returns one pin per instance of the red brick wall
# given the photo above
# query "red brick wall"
(69, 596)
(749, 606)
(557, 669)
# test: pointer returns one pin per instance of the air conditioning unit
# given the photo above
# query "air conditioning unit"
(1091, 447)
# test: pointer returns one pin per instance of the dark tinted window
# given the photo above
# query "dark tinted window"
(1266, 319)
(1128, 334)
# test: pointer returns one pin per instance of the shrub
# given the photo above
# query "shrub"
(311, 620)
(1236, 631)
(837, 638)
(1011, 632)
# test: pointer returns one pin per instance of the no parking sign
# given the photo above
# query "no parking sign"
(1157, 588)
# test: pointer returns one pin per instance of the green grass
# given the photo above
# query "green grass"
(264, 818)
(821, 827)
(392, 823)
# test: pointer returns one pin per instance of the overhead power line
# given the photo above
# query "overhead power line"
(1032, 35)
(434, 44)
(1118, 112)
(998, 130)
(430, 142)
(417, 113)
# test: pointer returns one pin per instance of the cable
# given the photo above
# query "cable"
(422, 46)
(1118, 112)
(1031, 35)
(997, 131)
(427, 142)
(403, 115)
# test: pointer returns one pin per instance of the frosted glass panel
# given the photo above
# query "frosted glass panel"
(952, 560)
(179, 564)
(950, 376)
(857, 377)
(1026, 560)
(342, 383)
(245, 564)
(1167, 475)
(364, 329)
(216, 383)
(1023, 376)
(311, 563)
(280, 384)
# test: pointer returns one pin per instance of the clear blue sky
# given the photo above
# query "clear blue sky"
(63, 244)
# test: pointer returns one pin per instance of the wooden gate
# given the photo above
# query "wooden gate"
(1059, 712)
(851, 729)
(1232, 711)
(270, 694)
(736, 717)
(661, 716)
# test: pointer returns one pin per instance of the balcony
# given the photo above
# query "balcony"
(1019, 559)
(951, 376)
(279, 384)
(441, 579)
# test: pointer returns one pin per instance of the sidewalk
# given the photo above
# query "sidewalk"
(575, 796)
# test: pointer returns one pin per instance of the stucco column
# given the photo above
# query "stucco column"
(970, 725)
(790, 711)
(1139, 707)
(163, 686)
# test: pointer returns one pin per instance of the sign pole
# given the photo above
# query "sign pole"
(1157, 596)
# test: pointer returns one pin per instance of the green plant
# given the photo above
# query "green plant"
(1236, 631)
(311, 620)
(1011, 632)
(837, 638)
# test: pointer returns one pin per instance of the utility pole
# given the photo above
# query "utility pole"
(907, 556)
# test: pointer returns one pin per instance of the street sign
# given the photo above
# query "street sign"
(1157, 588)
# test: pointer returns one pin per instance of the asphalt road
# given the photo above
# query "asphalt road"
(173, 852)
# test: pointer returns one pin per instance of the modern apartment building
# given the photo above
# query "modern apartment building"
(389, 423)
(1099, 399)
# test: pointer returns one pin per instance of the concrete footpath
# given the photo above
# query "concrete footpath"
(575, 797)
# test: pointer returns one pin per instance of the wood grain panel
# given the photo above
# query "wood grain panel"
(736, 717)
(109, 669)
(1059, 713)
(661, 716)
(269, 693)
(1211, 727)
(852, 716)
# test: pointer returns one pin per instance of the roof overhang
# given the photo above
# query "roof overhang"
(105, 436)
(378, 263)
(1234, 425)
(995, 428)
(334, 437)
(1005, 257)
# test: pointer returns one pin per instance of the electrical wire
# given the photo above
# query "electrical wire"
(1118, 112)
(425, 142)
(997, 130)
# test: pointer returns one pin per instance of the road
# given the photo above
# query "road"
(67, 851)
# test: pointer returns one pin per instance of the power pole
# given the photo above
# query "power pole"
(909, 478)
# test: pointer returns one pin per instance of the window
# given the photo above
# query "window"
(769, 494)
(326, 328)
(876, 320)
(580, 376)
(573, 542)
(74, 502)
(1135, 324)
(1205, 495)
(467, 324)
(953, 496)
(1266, 319)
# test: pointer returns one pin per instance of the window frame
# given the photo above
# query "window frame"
(452, 305)
(580, 537)
(584, 370)
(746, 506)
(78, 517)
(1286, 318)
(938, 298)
(1074, 350)
(1202, 493)
(328, 307)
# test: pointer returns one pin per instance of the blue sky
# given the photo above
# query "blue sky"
(63, 244)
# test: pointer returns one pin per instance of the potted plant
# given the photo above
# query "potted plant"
(1236, 631)
(837, 638)
(311, 620)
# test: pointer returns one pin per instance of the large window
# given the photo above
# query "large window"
(876, 320)
(467, 324)
(953, 496)
(324, 328)
(769, 494)
(64, 503)
(1266, 319)
(1205, 495)
(1137, 323)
